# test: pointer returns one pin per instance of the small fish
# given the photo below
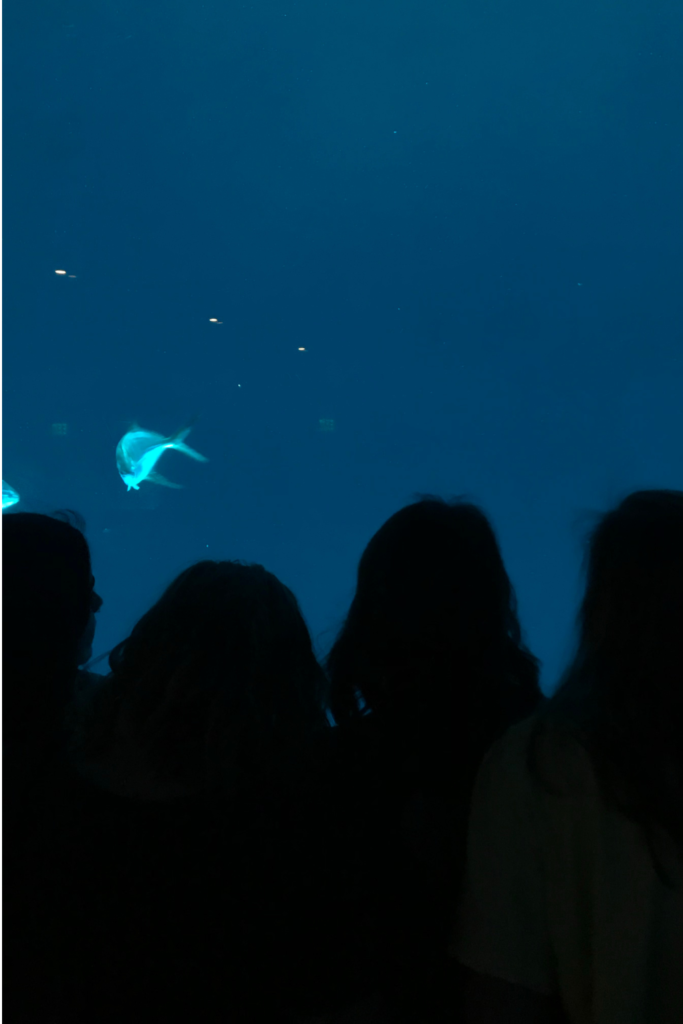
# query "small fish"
(138, 452)
(9, 496)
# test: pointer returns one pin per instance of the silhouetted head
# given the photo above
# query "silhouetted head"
(434, 612)
(622, 695)
(48, 601)
(631, 617)
(220, 670)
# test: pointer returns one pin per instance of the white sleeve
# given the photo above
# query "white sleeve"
(501, 927)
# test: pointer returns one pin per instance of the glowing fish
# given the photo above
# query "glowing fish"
(138, 452)
(9, 496)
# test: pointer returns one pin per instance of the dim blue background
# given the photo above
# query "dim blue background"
(467, 213)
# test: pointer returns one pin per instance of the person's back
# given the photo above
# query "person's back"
(191, 755)
(574, 884)
(152, 908)
(48, 623)
(428, 670)
(48, 604)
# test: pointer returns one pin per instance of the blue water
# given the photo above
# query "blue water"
(442, 243)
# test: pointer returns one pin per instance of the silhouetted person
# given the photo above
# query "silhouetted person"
(49, 607)
(214, 679)
(428, 670)
(573, 902)
(48, 624)
(184, 885)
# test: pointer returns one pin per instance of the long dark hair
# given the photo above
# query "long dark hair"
(47, 588)
(432, 640)
(621, 696)
(214, 678)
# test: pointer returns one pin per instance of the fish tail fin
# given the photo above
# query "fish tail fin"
(180, 446)
(181, 434)
(177, 441)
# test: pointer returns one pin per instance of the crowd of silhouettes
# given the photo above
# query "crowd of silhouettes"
(223, 829)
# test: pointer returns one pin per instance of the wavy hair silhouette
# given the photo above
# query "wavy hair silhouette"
(432, 642)
(621, 696)
(213, 680)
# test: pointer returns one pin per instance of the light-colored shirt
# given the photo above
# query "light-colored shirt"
(561, 895)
